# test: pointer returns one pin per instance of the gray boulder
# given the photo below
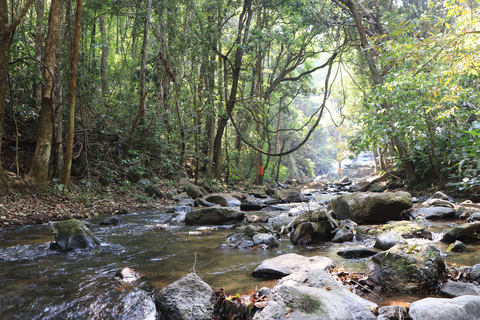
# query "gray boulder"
(460, 308)
(289, 263)
(314, 294)
(224, 200)
(475, 216)
(407, 268)
(72, 234)
(187, 298)
(343, 235)
(451, 289)
(389, 239)
(289, 195)
(436, 213)
(365, 207)
(213, 216)
(457, 246)
(111, 221)
(392, 313)
(265, 238)
(463, 232)
(137, 304)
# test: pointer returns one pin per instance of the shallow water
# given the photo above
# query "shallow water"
(36, 283)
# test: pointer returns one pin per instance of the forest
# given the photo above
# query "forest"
(100, 93)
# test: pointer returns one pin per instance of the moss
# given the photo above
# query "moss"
(305, 303)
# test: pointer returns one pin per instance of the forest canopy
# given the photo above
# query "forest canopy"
(239, 90)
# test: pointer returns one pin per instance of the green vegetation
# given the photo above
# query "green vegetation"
(241, 91)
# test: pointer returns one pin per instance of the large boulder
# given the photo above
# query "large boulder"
(72, 234)
(313, 294)
(286, 264)
(460, 308)
(315, 228)
(407, 268)
(225, 200)
(451, 289)
(366, 207)
(407, 229)
(194, 191)
(187, 298)
(465, 232)
(213, 216)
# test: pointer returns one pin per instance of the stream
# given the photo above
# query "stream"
(37, 283)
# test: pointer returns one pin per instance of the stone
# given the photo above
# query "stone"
(366, 207)
(314, 294)
(343, 235)
(188, 298)
(451, 289)
(252, 206)
(179, 209)
(389, 239)
(224, 200)
(475, 216)
(186, 202)
(392, 313)
(138, 304)
(406, 229)
(289, 195)
(436, 213)
(407, 268)
(460, 308)
(465, 232)
(438, 203)
(474, 273)
(357, 253)
(111, 221)
(194, 191)
(286, 264)
(439, 195)
(213, 216)
(265, 238)
(127, 275)
(72, 234)
(457, 246)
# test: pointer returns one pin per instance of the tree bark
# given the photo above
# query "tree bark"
(143, 65)
(41, 159)
(39, 37)
(67, 164)
(104, 60)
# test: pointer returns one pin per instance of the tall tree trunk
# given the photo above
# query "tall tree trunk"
(104, 60)
(39, 37)
(41, 159)
(6, 31)
(143, 65)
(67, 164)
(57, 161)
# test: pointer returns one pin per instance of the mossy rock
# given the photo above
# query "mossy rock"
(406, 229)
(72, 234)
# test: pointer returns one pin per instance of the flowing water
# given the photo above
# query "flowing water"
(37, 283)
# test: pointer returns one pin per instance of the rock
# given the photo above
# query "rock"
(457, 246)
(279, 221)
(225, 200)
(72, 234)
(389, 239)
(213, 216)
(111, 221)
(463, 213)
(435, 213)
(194, 191)
(286, 264)
(305, 230)
(475, 198)
(348, 224)
(392, 313)
(406, 229)
(302, 233)
(440, 195)
(137, 304)
(249, 230)
(154, 191)
(406, 268)
(265, 238)
(475, 216)
(314, 294)
(343, 235)
(473, 273)
(438, 203)
(179, 209)
(357, 253)
(186, 202)
(252, 206)
(258, 193)
(187, 298)
(460, 308)
(365, 207)
(289, 195)
(128, 275)
(463, 232)
(451, 289)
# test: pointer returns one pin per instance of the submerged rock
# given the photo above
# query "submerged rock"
(357, 253)
(286, 264)
(366, 207)
(111, 221)
(188, 298)
(407, 268)
(465, 232)
(72, 234)
(313, 294)
(389, 239)
(213, 216)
